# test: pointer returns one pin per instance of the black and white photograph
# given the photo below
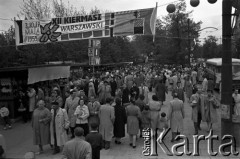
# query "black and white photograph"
(126, 79)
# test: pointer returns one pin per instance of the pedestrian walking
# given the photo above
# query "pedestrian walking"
(155, 107)
(70, 106)
(59, 124)
(41, 126)
(195, 103)
(120, 121)
(133, 117)
(82, 114)
(107, 118)
(211, 104)
(176, 115)
(161, 91)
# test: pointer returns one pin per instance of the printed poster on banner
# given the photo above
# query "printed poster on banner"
(104, 25)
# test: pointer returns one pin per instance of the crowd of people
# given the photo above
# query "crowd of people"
(84, 115)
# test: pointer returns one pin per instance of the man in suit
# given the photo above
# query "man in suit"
(179, 92)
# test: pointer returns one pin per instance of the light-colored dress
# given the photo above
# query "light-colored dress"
(41, 130)
(155, 108)
(176, 115)
(133, 116)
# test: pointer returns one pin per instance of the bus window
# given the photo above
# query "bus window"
(236, 69)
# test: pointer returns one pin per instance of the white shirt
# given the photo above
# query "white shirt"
(82, 114)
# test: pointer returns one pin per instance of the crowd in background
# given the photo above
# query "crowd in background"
(100, 106)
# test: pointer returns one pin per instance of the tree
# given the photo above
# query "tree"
(35, 9)
(176, 30)
(61, 10)
(210, 48)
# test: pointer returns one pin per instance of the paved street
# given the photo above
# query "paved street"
(19, 141)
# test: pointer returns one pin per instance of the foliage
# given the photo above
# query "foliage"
(35, 9)
(180, 28)
(211, 48)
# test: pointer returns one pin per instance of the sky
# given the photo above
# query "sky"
(209, 14)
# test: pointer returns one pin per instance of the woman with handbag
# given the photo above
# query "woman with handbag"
(41, 126)
(58, 126)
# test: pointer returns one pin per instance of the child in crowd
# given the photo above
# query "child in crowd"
(4, 113)
(95, 140)
(163, 123)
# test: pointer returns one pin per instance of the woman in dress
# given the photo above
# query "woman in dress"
(211, 105)
(41, 126)
(120, 121)
(176, 115)
(91, 90)
(188, 87)
(155, 108)
(133, 117)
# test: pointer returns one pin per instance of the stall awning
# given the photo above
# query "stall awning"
(47, 73)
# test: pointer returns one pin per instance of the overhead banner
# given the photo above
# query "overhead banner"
(131, 22)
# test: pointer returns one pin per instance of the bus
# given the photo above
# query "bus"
(213, 67)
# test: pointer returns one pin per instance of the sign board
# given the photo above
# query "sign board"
(90, 52)
(123, 23)
(96, 43)
(94, 60)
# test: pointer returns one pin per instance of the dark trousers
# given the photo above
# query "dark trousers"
(96, 153)
(199, 119)
(85, 128)
(6, 120)
(72, 131)
(197, 124)
(56, 147)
